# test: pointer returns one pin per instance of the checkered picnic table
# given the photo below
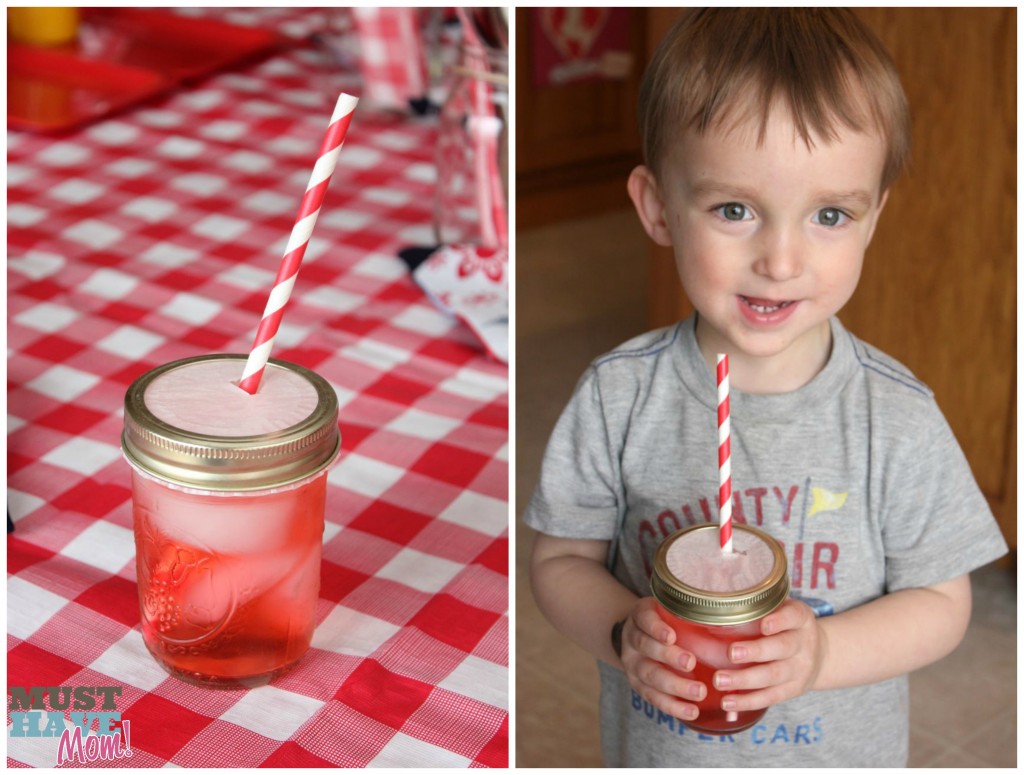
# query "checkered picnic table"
(154, 235)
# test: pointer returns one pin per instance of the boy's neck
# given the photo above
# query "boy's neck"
(780, 373)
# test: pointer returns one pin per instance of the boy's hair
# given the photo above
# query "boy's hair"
(825, 65)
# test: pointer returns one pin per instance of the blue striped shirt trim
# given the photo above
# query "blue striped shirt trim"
(872, 363)
(652, 349)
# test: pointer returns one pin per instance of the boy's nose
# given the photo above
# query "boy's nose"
(780, 257)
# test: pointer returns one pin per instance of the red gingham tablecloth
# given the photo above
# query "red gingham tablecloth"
(155, 235)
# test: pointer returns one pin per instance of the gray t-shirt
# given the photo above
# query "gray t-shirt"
(857, 474)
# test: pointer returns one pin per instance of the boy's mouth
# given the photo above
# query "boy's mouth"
(764, 306)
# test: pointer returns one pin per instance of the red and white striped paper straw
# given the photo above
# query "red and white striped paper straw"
(309, 209)
(724, 471)
(724, 465)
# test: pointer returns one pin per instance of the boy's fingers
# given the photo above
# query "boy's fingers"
(673, 706)
(656, 650)
(790, 615)
(768, 649)
(655, 675)
(647, 620)
(669, 692)
(770, 674)
(764, 698)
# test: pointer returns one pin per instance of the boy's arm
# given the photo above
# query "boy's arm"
(894, 634)
(583, 600)
(577, 594)
(890, 636)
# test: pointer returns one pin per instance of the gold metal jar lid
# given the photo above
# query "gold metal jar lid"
(230, 463)
(720, 608)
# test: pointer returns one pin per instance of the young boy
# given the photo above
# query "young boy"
(771, 138)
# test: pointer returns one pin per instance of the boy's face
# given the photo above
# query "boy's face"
(768, 237)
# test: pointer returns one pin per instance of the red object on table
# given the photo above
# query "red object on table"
(52, 90)
(121, 56)
(153, 236)
(181, 47)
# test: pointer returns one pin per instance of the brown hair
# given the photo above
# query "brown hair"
(813, 58)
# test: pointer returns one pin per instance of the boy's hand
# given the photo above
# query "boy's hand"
(648, 649)
(788, 659)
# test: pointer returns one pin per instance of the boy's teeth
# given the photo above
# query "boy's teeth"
(766, 308)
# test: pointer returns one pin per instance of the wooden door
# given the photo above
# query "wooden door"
(938, 290)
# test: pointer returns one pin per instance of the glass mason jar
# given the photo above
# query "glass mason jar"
(472, 152)
(228, 494)
(746, 587)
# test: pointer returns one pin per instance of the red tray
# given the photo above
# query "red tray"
(181, 47)
(121, 57)
(49, 91)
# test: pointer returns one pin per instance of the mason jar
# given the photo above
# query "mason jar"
(228, 496)
(712, 600)
(472, 152)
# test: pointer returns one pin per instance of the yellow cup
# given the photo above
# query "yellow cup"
(42, 26)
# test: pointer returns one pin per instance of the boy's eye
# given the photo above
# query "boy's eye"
(830, 216)
(733, 211)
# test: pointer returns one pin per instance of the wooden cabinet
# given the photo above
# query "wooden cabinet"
(938, 290)
(576, 142)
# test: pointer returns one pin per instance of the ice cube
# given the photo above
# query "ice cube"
(192, 594)
(220, 524)
(706, 649)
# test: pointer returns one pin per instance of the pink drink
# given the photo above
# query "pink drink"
(712, 600)
(236, 608)
(228, 493)
(711, 647)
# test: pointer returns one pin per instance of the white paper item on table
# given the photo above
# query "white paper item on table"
(471, 283)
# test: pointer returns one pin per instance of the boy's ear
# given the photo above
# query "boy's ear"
(643, 190)
(878, 213)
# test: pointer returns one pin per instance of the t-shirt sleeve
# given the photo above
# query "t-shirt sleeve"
(580, 493)
(938, 524)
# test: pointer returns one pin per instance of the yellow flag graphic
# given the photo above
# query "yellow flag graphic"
(826, 501)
